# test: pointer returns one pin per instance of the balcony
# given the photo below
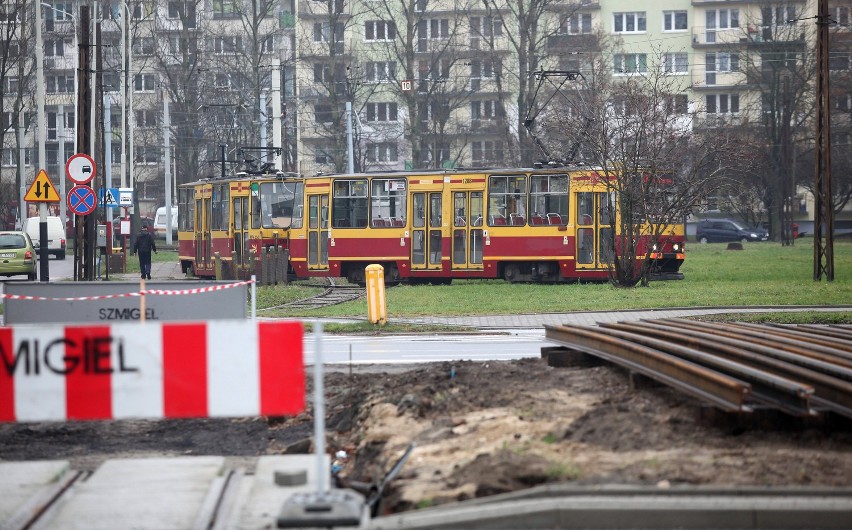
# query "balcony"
(573, 42)
(702, 79)
(703, 36)
(715, 121)
(60, 62)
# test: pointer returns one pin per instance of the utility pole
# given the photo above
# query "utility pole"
(81, 271)
(824, 209)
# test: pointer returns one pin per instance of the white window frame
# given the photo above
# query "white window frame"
(638, 19)
(382, 30)
(730, 101)
(576, 24)
(221, 45)
(675, 63)
(144, 81)
(620, 61)
(381, 112)
(382, 152)
(380, 71)
(434, 29)
(670, 19)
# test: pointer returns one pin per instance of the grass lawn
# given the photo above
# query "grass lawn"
(761, 274)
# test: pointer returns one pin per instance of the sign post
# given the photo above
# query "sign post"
(81, 169)
(42, 191)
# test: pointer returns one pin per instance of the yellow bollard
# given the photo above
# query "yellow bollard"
(376, 310)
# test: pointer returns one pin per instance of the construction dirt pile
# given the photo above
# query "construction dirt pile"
(484, 428)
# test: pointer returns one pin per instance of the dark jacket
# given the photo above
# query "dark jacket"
(144, 243)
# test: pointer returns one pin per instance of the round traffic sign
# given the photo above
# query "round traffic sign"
(82, 200)
(80, 168)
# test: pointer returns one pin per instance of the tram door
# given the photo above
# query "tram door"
(241, 224)
(318, 232)
(426, 237)
(594, 230)
(203, 237)
(467, 230)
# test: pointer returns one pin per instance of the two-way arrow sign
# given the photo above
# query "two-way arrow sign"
(41, 190)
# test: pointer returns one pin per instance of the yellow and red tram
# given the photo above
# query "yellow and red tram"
(422, 226)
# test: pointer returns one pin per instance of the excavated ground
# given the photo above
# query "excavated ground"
(481, 428)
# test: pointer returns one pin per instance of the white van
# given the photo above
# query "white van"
(55, 234)
(160, 221)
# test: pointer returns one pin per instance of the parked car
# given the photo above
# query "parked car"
(55, 234)
(17, 254)
(716, 230)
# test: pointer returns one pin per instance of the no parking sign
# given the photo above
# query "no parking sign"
(82, 200)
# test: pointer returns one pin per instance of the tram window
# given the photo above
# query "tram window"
(255, 210)
(419, 210)
(220, 207)
(349, 204)
(388, 203)
(280, 205)
(186, 209)
(435, 210)
(585, 208)
(548, 199)
(507, 197)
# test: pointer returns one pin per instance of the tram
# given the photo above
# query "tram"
(521, 225)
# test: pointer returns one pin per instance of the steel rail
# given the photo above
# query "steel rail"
(796, 355)
(721, 390)
(827, 389)
(770, 389)
(840, 348)
(834, 331)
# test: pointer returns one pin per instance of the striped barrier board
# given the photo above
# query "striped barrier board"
(223, 368)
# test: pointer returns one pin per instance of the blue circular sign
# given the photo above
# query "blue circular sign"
(82, 200)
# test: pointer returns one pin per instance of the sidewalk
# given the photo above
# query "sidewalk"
(164, 270)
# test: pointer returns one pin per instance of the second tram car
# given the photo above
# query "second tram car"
(421, 226)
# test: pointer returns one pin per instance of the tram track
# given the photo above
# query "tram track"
(332, 294)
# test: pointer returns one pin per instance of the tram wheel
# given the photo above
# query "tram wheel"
(511, 272)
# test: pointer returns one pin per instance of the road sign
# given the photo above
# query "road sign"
(406, 85)
(108, 199)
(42, 190)
(81, 200)
(125, 196)
(80, 168)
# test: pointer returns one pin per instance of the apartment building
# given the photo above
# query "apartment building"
(439, 86)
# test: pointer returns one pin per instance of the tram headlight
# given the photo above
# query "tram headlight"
(654, 247)
(676, 247)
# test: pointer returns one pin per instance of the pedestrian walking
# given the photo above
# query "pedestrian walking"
(144, 245)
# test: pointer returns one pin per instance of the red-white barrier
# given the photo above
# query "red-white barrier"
(151, 370)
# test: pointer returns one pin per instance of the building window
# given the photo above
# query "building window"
(55, 48)
(59, 84)
(722, 18)
(629, 22)
(142, 10)
(143, 46)
(381, 152)
(485, 68)
(144, 83)
(380, 71)
(183, 11)
(146, 155)
(675, 63)
(722, 104)
(433, 29)
(722, 62)
(676, 104)
(227, 45)
(379, 30)
(674, 21)
(838, 60)
(840, 15)
(224, 8)
(146, 118)
(322, 32)
(576, 24)
(483, 110)
(630, 63)
(222, 81)
(486, 26)
(381, 112)
(323, 114)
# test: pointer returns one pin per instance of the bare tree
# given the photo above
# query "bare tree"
(16, 93)
(415, 44)
(530, 25)
(635, 132)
